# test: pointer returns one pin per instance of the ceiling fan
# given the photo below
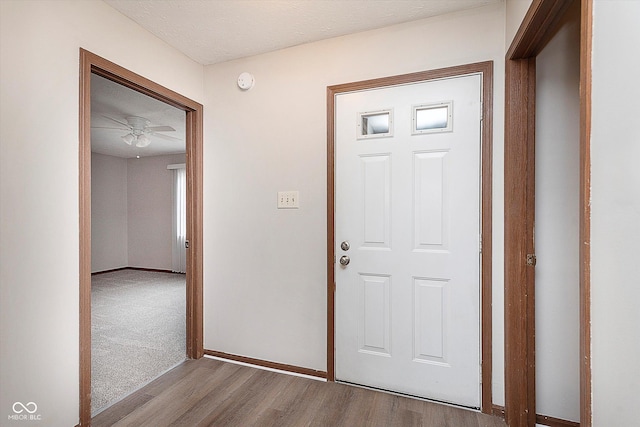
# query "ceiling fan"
(139, 130)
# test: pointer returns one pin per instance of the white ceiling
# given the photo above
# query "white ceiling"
(112, 100)
(212, 31)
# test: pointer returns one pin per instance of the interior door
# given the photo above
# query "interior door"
(407, 227)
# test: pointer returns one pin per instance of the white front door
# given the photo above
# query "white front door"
(407, 203)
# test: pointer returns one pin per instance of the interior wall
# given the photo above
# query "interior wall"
(557, 213)
(109, 245)
(131, 212)
(39, 255)
(515, 12)
(149, 209)
(615, 213)
(266, 268)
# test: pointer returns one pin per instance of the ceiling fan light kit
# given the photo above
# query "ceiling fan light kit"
(128, 138)
(139, 131)
(142, 141)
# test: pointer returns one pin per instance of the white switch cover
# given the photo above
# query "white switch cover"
(288, 200)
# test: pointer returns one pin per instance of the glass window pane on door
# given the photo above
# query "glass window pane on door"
(375, 124)
(431, 118)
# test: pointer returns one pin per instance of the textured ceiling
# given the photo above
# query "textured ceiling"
(212, 31)
(112, 100)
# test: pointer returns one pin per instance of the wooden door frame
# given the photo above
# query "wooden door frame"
(486, 71)
(519, 201)
(91, 63)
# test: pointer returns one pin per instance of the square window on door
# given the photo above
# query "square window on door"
(432, 118)
(375, 124)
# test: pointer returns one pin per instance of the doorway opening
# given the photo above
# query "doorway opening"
(92, 64)
(485, 71)
(138, 254)
(519, 159)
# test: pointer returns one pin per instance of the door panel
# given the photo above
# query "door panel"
(375, 314)
(376, 207)
(408, 202)
(430, 211)
(429, 321)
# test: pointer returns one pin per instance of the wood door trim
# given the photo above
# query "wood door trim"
(535, 30)
(486, 70)
(267, 364)
(84, 190)
(586, 25)
(544, 420)
(530, 39)
(91, 63)
(519, 209)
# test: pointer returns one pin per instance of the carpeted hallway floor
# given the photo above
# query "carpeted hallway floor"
(137, 331)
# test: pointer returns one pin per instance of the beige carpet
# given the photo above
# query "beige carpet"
(138, 331)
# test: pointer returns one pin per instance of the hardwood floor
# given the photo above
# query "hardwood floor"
(209, 392)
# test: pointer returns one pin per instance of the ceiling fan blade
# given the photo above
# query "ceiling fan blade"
(159, 129)
(167, 137)
(126, 125)
(108, 127)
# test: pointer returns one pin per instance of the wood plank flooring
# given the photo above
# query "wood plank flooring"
(209, 392)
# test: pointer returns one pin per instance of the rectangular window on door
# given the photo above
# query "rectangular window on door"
(432, 118)
(375, 124)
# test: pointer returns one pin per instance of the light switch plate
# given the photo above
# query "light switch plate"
(288, 199)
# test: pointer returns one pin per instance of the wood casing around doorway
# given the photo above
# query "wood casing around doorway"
(91, 63)
(486, 70)
(519, 177)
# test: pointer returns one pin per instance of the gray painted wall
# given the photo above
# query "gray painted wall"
(615, 213)
(109, 242)
(131, 212)
(557, 222)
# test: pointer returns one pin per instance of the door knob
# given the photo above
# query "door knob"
(344, 260)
